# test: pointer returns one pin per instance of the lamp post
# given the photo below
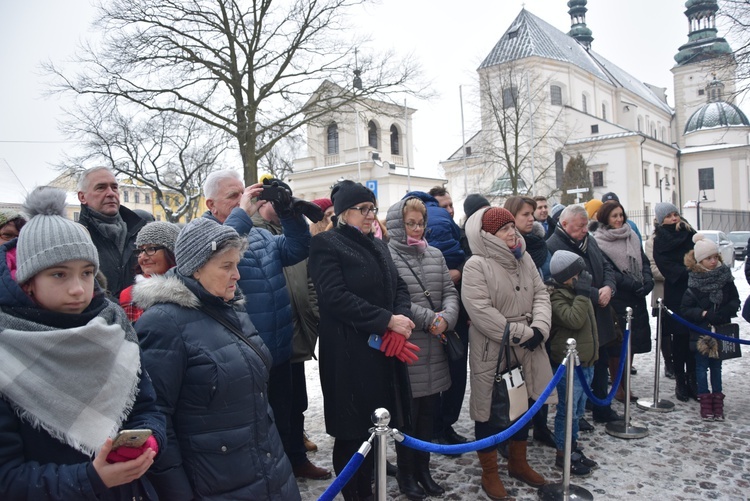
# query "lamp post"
(664, 180)
(698, 202)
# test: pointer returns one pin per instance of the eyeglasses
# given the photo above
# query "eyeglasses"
(412, 225)
(8, 236)
(366, 210)
(150, 251)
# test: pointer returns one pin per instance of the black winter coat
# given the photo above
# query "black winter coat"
(603, 275)
(211, 386)
(670, 247)
(359, 289)
(118, 267)
(640, 324)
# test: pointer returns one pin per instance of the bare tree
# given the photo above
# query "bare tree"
(168, 153)
(735, 15)
(243, 67)
(521, 131)
(279, 161)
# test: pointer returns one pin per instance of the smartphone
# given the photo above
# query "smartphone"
(131, 438)
(375, 341)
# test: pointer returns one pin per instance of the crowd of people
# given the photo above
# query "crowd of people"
(191, 340)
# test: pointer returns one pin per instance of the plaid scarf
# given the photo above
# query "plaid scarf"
(77, 383)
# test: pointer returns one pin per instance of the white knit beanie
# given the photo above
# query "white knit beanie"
(704, 247)
(49, 239)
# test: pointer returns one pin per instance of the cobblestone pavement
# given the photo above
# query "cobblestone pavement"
(682, 458)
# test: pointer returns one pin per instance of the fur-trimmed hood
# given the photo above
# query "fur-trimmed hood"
(538, 230)
(176, 289)
(693, 265)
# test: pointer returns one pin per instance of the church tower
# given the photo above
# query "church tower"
(578, 29)
(704, 58)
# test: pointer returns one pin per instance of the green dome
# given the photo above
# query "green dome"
(716, 114)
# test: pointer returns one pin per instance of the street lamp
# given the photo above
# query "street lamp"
(664, 180)
(698, 207)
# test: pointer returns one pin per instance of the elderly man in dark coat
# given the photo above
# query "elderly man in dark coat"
(572, 235)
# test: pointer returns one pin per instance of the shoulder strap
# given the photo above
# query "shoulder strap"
(505, 350)
(424, 289)
(234, 330)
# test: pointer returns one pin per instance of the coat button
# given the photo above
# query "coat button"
(268, 454)
(223, 448)
(518, 288)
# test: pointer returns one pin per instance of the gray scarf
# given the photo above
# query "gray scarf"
(79, 384)
(111, 227)
(623, 247)
(711, 282)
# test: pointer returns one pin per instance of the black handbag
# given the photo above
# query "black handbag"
(728, 349)
(510, 399)
(455, 349)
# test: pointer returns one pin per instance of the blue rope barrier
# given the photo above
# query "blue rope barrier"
(701, 330)
(346, 474)
(615, 381)
(504, 435)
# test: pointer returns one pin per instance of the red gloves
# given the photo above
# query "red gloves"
(123, 454)
(396, 345)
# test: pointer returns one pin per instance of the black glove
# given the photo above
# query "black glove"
(582, 286)
(303, 207)
(282, 201)
(534, 341)
(648, 286)
(628, 283)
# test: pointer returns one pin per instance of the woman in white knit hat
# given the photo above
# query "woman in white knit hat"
(71, 374)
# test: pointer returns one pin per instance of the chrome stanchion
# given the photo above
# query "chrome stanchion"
(565, 490)
(380, 418)
(627, 429)
(656, 404)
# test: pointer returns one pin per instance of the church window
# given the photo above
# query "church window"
(584, 104)
(147, 198)
(395, 147)
(512, 34)
(137, 197)
(372, 134)
(559, 169)
(595, 129)
(640, 124)
(645, 177)
(598, 179)
(333, 139)
(555, 93)
(604, 111)
(510, 97)
(701, 92)
(126, 196)
(706, 178)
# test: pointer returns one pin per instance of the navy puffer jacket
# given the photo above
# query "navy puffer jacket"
(222, 440)
(262, 277)
(442, 232)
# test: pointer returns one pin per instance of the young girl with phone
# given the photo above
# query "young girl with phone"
(71, 374)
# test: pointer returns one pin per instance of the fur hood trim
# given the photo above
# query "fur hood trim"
(693, 265)
(538, 229)
(163, 289)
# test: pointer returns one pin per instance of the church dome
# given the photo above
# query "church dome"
(716, 114)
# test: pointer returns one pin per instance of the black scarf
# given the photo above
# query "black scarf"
(711, 282)
(536, 246)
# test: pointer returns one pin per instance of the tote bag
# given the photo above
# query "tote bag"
(509, 397)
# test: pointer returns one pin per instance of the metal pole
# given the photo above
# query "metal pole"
(463, 142)
(406, 151)
(531, 132)
(380, 418)
(656, 404)
(359, 155)
(626, 429)
(565, 490)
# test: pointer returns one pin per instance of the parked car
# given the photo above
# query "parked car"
(726, 247)
(739, 239)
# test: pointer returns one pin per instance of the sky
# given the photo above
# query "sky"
(448, 38)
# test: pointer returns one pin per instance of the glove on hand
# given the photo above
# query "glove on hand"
(582, 286)
(122, 454)
(534, 341)
(282, 204)
(393, 343)
(407, 354)
(304, 208)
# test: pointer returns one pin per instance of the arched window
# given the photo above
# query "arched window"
(333, 139)
(372, 134)
(584, 104)
(640, 123)
(510, 97)
(604, 111)
(395, 147)
(555, 93)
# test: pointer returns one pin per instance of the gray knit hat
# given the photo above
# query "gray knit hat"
(565, 264)
(197, 243)
(158, 233)
(48, 239)
(556, 210)
(663, 209)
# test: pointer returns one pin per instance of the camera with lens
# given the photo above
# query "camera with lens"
(273, 193)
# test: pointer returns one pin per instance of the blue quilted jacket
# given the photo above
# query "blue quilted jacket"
(442, 232)
(262, 278)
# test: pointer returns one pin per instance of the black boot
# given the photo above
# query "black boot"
(681, 387)
(542, 433)
(422, 474)
(692, 384)
(407, 482)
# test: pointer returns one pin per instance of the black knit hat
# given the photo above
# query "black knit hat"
(473, 203)
(346, 194)
(610, 196)
(565, 264)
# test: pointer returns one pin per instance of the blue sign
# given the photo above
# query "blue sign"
(372, 185)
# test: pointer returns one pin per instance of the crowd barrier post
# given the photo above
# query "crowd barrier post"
(380, 418)
(657, 405)
(565, 490)
(626, 429)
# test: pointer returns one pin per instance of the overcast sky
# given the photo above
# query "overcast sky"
(449, 38)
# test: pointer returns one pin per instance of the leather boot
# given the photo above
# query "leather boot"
(491, 483)
(422, 474)
(707, 405)
(542, 433)
(614, 364)
(407, 483)
(718, 407)
(519, 468)
(681, 387)
(692, 384)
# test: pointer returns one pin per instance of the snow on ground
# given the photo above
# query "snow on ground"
(682, 458)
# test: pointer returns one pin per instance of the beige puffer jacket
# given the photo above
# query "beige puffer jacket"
(498, 288)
